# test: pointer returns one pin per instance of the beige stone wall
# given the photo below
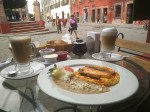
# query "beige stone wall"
(37, 13)
(2, 13)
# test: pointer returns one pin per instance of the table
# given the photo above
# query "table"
(32, 98)
(12, 94)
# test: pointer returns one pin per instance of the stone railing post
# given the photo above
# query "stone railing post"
(37, 13)
(20, 13)
(4, 25)
(27, 13)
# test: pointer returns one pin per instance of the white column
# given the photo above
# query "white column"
(27, 13)
(20, 12)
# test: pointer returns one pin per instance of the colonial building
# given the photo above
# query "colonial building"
(103, 11)
(108, 11)
(46, 9)
(53, 8)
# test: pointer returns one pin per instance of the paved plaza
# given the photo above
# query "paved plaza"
(131, 32)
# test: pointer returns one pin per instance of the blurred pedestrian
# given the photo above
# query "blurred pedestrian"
(64, 22)
(48, 20)
(85, 16)
(17, 16)
(58, 24)
(73, 25)
(98, 18)
(105, 17)
(53, 22)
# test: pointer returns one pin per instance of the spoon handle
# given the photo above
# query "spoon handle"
(9, 60)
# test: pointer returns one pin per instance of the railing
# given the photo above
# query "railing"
(52, 6)
(80, 1)
(57, 4)
(73, 2)
(64, 2)
(91, 0)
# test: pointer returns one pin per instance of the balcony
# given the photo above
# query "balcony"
(80, 1)
(52, 6)
(64, 2)
(57, 4)
(73, 2)
(91, 0)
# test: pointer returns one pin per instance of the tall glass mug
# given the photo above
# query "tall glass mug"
(108, 39)
(23, 51)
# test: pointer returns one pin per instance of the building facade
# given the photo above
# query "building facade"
(107, 11)
(46, 12)
(53, 8)
(103, 11)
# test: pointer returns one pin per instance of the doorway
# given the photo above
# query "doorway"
(129, 13)
(105, 15)
(93, 15)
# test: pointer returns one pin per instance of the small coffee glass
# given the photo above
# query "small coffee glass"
(23, 52)
(108, 39)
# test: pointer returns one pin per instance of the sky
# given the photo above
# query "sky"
(30, 5)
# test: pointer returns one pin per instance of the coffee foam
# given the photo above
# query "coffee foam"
(20, 38)
(109, 32)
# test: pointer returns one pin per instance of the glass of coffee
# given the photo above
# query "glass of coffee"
(108, 39)
(23, 51)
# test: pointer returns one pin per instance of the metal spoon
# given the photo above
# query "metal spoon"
(9, 60)
(13, 72)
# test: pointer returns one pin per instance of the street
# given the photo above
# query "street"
(131, 32)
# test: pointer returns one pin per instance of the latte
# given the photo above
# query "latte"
(21, 49)
(109, 36)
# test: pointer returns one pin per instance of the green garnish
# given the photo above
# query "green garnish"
(52, 69)
(56, 72)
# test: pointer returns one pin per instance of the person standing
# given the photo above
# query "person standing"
(98, 18)
(105, 17)
(53, 22)
(85, 16)
(58, 24)
(73, 26)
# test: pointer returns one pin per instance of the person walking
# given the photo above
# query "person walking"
(73, 26)
(58, 24)
(64, 22)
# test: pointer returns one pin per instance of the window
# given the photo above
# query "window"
(73, 1)
(118, 11)
(80, 1)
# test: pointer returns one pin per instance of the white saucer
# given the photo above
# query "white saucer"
(41, 60)
(36, 66)
(113, 57)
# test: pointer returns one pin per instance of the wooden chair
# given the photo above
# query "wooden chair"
(140, 51)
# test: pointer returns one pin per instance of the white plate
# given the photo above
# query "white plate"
(37, 68)
(114, 57)
(127, 86)
(41, 60)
